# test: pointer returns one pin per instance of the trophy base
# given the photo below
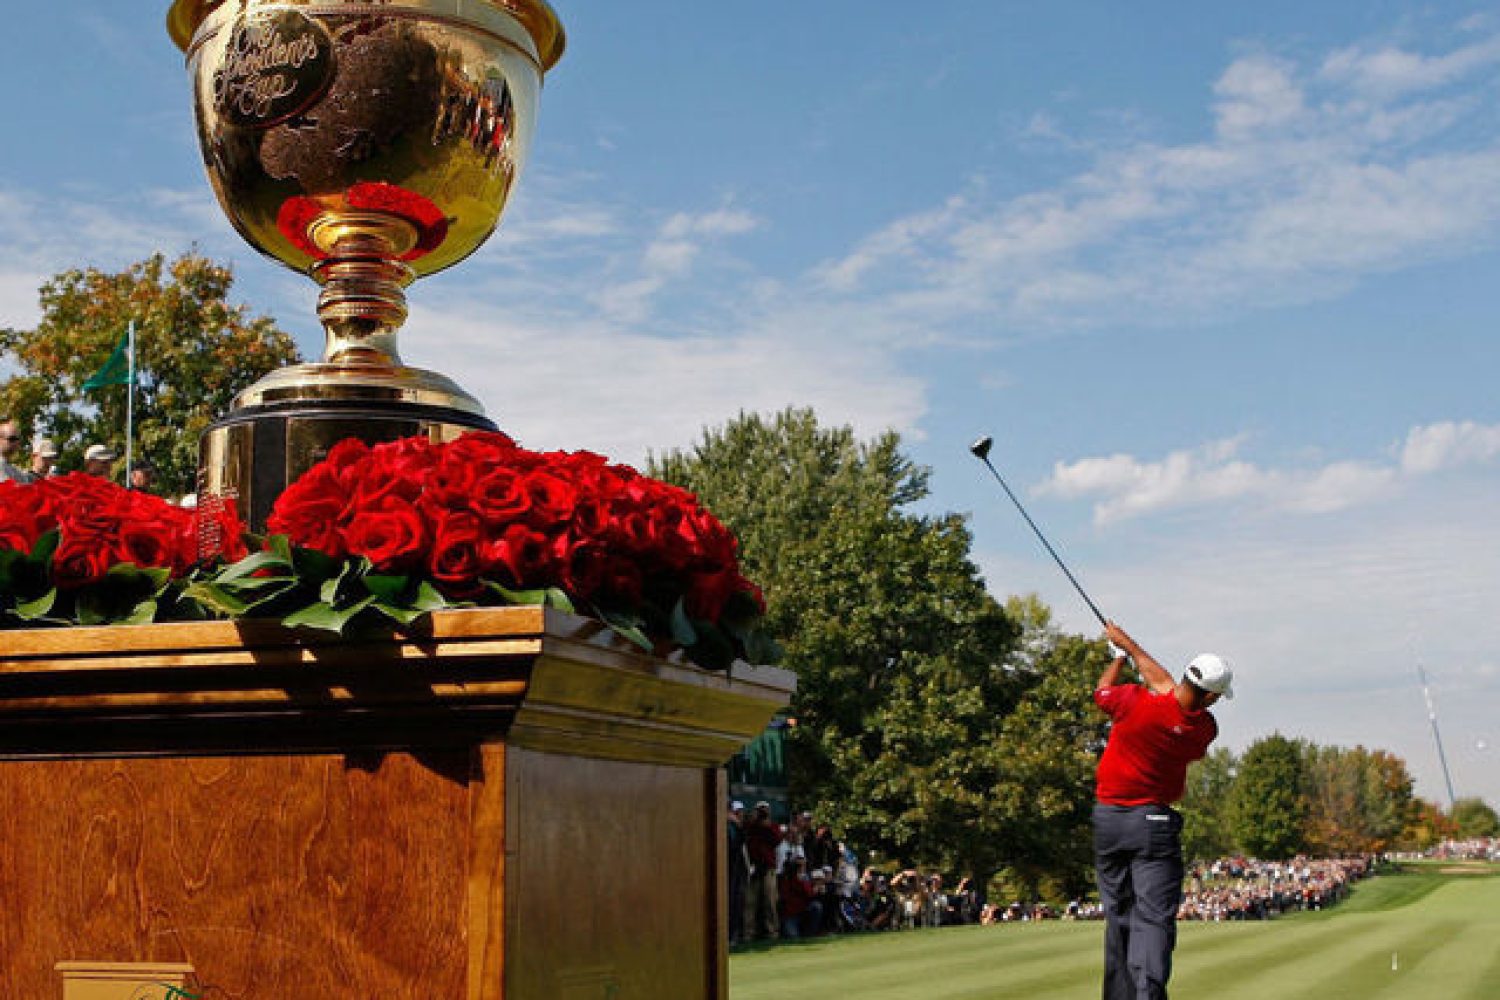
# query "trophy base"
(373, 380)
(254, 453)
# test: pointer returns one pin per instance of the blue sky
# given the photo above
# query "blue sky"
(1221, 283)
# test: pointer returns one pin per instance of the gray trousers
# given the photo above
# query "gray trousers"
(1138, 861)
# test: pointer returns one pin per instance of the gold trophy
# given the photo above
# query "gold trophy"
(366, 143)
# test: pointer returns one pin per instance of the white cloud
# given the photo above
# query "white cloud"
(1449, 445)
(1125, 486)
(585, 389)
(1256, 92)
(724, 222)
(1386, 71)
(671, 255)
(1309, 182)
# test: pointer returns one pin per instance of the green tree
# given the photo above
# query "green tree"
(1358, 801)
(1427, 826)
(1040, 808)
(1267, 807)
(909, 673)
(1207, 829)
(194, 351)
(1473, 817)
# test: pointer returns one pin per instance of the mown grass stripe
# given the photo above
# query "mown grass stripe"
(1443, 927)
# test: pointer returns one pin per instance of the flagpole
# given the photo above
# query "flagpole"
(129, 401)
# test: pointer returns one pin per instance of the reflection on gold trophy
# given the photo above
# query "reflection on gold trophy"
(366, 143)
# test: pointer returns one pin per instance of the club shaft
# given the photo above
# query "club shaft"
(1043, 539)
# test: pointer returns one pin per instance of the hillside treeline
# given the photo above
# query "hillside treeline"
(1283, 797)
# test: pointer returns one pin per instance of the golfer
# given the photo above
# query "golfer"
(1159, 728)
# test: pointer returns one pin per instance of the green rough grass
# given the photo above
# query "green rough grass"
(1441, 929)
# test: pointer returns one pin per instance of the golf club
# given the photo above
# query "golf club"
(981, 450)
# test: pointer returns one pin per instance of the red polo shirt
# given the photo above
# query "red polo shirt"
(1151, 744)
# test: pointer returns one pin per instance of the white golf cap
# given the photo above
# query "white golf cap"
(99, 452)
(1211, 673)
(45, 447)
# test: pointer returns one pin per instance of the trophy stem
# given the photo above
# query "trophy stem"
(363, 302)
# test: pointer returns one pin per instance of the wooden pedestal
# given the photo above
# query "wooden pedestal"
(514, 805)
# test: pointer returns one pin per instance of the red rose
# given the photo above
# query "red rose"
(25, 516)
(521, 557)
(593, 518)
(394, 538)
(80, 561)
(500, 497)
(480, 449)
(148, 543)
(346, 455)
(450, 486)
(407, 459)
(621, 582)
(310, 510)
(707, 593)
(550, 498)
(582, 564)
(455, 557)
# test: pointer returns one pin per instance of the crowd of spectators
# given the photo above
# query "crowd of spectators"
(798, 880)
(1470, 849)
(1246, 889)
(41, 463)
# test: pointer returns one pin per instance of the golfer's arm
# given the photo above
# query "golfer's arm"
(1111, 675)
(1153, 673)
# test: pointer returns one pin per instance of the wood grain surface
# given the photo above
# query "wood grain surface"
(274, 877)
(607, 874)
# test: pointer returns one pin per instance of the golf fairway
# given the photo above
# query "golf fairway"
(1431, 932)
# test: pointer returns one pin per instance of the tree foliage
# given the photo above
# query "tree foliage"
(1473, 817)
(1267, 807)
(1358, 801)
(926, 728)
(1428, 826)
(1207, 828)
(194, 351)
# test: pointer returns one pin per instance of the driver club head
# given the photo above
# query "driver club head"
(981, 448)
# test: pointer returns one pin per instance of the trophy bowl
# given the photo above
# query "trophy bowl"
(365, 143)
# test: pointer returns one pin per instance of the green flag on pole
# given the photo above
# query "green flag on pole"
(118, 370)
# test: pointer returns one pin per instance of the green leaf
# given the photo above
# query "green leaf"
(556, 598)
(429, 598)
(713, 650)
(45, 546)
(314, 567)
(740, 613)
(760, 648)
(38, 609)
(628, 626)
(129, 576)
(320, 615)
(683, 632)
(387, 588)
(252, 584)
(211, 595)
(517, 596)
(252, 564)
(144, 613)
(346, 586)
(404, 615)
(281, 545)
(8, 558)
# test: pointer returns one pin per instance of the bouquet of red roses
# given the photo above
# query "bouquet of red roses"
(77, 549)
(406, 527)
